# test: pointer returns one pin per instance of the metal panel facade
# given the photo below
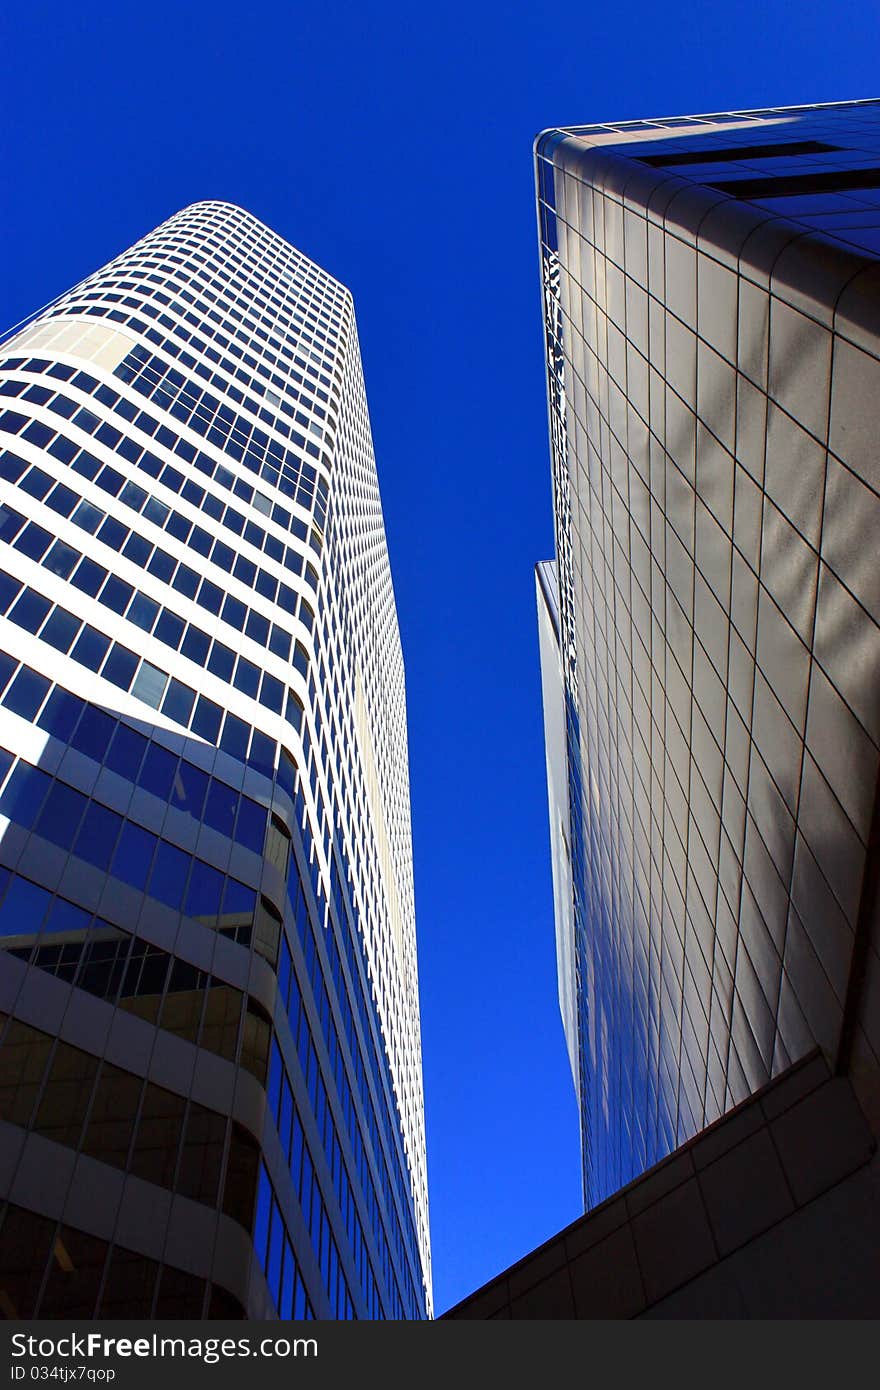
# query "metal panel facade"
(711, 306)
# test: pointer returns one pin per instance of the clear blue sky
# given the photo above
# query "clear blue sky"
(392, 143)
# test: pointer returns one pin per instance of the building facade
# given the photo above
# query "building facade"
(210, 1052)
(710, 627)
(771, 1212)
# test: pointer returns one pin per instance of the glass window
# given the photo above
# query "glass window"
(171, 478)
(134, 854)
(239, 901)
(190, 785)
(178, 702)
(133, 496)
(94, 733)
(11, 422)
(97, 837)
(288, 1283)
(66, 917)
(200, 541)
(149, 684)
(220, 807)
(137, 549)
(60, 630)
(109, 480)
(113, 533)
(143, 612)
(61, 559)
(247, 677)
(91, 648)
(262, 753)
(120, 666)
(234, 739)
(7, 666)
(24, 794)
(221, 661)
(155, 1148)
(204, 894)
(168, 879)
(89, 576)
(234, 612)
(272, 693)
(162, 565)
(156, 511)
(245, 570)
(191, 491)
(116, 594)
(170, 629)
(258, 628)
(86, 464)
(61, 814)
(178, 526)
(198, 1174)
(23, 908)
(126, 752)
(266, 585)
(263, 1215)
(36, 482)
(30, 610)
(284, 968)
(60, 713)
(61, 448)
(11, 466)
(26, 693)
(210, 596)
(279, 642)
(157, 773)
(196, 645)
(224, 556)
(186, 581)
(9, 587)
(88, 518)
(206, 720)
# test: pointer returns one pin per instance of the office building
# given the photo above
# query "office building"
(771, 1212)
(210, 1054)
(710, 659)
(710, 627)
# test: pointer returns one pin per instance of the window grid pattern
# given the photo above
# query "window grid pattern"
(299, 372)
(720, 628)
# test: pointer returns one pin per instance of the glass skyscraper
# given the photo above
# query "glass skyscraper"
(710, 627)
(210, 1068)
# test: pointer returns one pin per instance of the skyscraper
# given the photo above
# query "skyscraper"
(210, 1053)
(710, 628)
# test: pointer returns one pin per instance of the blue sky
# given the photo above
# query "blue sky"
(392, 144)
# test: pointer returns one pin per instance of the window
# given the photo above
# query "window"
(178, 702)
(204, 894)
(168, 878)
(94, 733)
(61, 814)
(97, 837)
(134, 854)
(61, 559)
(157, 773)
(126, 752)
(91, 648)
(120, 666)
(149, 684)
(26, 693)
(23, 909)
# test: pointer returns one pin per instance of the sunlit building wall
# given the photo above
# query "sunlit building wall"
(210, 1053)
(710, 638)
